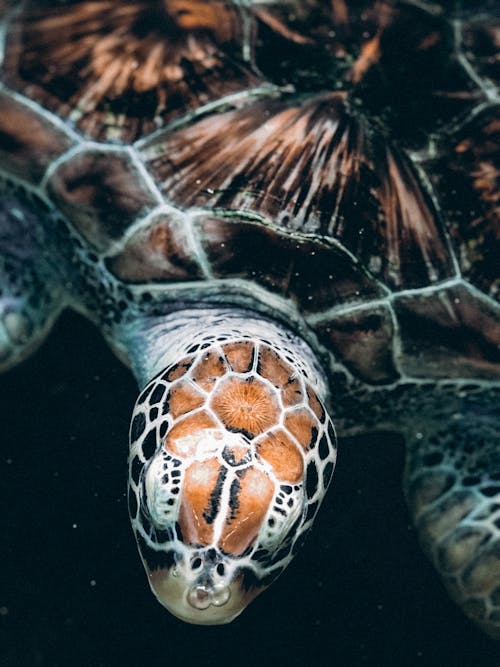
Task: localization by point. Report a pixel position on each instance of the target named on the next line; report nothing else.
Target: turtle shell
(332, 162)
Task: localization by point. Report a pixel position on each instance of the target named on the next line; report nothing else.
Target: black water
(73, 591)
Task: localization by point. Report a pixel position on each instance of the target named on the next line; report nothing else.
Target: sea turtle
(274, 211)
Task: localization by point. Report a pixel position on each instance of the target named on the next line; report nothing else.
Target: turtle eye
(161, 490)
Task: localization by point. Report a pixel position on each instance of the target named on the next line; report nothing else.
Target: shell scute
(158, 252)
(480, 37)
(179, 55)
(313, 274)
(311, 166)
(363, 340)
(453, 332)
(280, 451)
(467, 177)
(102, 193)
(29, 142)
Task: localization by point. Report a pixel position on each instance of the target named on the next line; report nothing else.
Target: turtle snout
(204, 593)
(202, 601)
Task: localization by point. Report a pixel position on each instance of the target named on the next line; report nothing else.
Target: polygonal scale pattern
(236, 421)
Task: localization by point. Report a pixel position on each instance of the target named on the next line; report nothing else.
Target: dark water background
(73, 591)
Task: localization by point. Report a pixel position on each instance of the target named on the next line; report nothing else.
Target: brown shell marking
(179, 369)
(275, 369)
(452, 333)
(173, 61)
(251, 492)
(183, 397)
(28, 141)
(102, 192)
(251, 495)
(301, 424)
(301, 165)
(218, 17)
(272, 367)
(159, 252)
(313, 273)
(315, 404)
(467, 178)
(200, 480)
(280, 451)
(363, 340)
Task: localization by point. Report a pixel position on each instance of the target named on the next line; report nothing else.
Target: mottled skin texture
(271, 211)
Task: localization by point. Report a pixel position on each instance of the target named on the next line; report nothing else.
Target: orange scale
(239, 355)
(236, 454)
(279, 450)
(179, 369)
(246, 405)
(315, 405)
(210, 367)
(201, 481)
(292, 393)
(182, 398)
(252, 493)
(178, 440)
(272, 367)
(303, 426)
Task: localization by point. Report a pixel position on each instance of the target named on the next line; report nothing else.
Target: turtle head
(231, 453)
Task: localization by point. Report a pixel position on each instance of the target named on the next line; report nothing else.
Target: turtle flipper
(452, 482)
(30, 298)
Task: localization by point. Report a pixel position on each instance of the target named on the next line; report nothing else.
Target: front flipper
(30, 296)
(452, 482)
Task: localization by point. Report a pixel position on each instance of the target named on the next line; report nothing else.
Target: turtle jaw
(201, 602)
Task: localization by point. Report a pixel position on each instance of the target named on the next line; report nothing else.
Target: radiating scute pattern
(313, 166)
(173, 61)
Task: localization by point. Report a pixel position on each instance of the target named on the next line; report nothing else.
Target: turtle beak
(201, 602)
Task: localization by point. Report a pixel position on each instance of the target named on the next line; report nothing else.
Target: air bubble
(199, 597)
